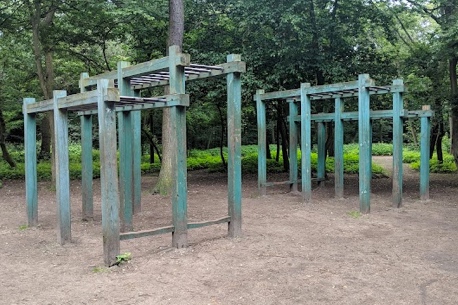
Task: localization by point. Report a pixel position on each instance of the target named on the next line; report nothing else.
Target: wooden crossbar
(171, 229)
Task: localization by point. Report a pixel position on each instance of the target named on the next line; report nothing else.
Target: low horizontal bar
(195, 225)
(374, 115)
(144, 233)
(267, 184)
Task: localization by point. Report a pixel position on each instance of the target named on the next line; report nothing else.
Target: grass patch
(354, 214)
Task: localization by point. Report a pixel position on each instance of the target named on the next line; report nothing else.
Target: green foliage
(354, 214)
(23, 227)
(123, 258)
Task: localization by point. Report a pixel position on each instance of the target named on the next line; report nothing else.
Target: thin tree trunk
(221, 139)
(454, 107)
(176, 30)
(5, 153)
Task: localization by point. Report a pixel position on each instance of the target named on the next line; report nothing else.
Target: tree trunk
(176, 30)
(5, 153)
(221, 140)
(454, 107)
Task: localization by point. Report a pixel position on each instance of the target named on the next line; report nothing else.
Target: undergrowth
(211, 160)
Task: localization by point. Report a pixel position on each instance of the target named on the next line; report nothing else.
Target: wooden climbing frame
(116, 96)
(301, 100)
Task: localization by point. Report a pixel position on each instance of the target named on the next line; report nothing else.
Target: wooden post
(86, 162)
(64, 233)
(321, 168)
(86, 167)
(306, 143)
(137, 159)
(397, 144)
(30, 139)
(338, 148)
(234, 143)
(293, 141)
(178, 119)
(125, 133)
(365, 158)
(424, 153)
(108, 175)
(262, 154)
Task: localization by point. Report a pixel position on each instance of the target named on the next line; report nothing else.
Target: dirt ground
(290, 253)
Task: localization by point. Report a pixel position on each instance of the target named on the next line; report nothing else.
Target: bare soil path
(291, 253)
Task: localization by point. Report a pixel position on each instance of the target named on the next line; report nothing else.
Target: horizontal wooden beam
(195, 225)
(171, 229)
(170, 101)
(80, 100)
(374, 114)
(144, 233)
(226, 68)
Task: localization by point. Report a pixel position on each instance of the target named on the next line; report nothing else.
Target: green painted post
(293, 141)
(137, 159)
(338, 148)
(108, 175)
(86, 161)
(234, 143)
(126, 137)
(64, 233)
(178, 119)
(397, 144)
(365, 158)
(125, 133)
(321, 168)
(424, 153)
(30, 139)
(262, 153)
(86, 167)
(306, 143)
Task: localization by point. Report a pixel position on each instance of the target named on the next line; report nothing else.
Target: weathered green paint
(137, 155)
(126, 138)
(108, 175)
(86, 167)
(424, 152)
(178, 119)
(234, 144)
(338, 149)
(306, 143)
(30, 143)
(262, 153)
(64, 233)
(321, 168)
(125, 132)
(374, 115)
(397, 145)
(293, 141)
(86, 161)
(365, 154)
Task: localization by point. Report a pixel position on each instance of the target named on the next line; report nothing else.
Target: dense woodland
(45, 45)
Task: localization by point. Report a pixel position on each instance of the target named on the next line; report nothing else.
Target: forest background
(46, 45)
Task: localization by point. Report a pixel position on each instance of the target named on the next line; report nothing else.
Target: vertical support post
(86, 167)
(64, 233)
(397, 142)
(178, 119)
(338, 149)
(137, 156)
(234, 143)
(262, 153)
(321, 168)
(125, 169)
(30, 139)
(424, 153)
(86, 161)
(306, 143)
(125, 132)
(293, 141)
(108, 175)
(365, 158)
